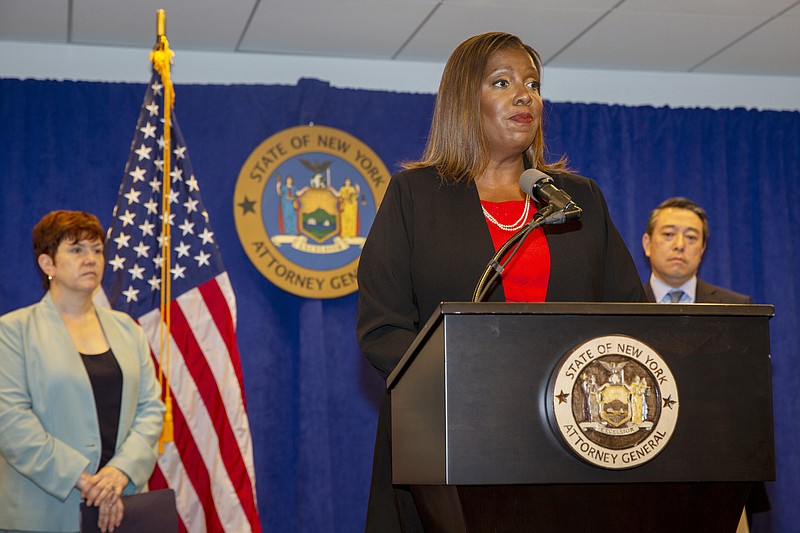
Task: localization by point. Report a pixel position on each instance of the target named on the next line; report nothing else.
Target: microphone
(558, 210)
(539, 185)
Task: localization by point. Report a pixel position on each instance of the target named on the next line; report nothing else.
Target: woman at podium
(445, 216)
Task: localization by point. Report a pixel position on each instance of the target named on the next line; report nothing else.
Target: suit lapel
(705, 293)
(648, 290)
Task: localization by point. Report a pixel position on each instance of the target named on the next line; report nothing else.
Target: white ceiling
(747, 37)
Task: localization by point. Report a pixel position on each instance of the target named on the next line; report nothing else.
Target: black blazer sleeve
(429, 243)
(388, 318)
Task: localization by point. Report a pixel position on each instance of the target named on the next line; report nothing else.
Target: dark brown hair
(457, 145)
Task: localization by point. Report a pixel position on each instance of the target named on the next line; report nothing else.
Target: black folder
(151, 512)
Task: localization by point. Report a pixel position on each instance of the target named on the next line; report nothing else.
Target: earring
(49, 278)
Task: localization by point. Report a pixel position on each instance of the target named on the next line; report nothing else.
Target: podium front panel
(470, 404)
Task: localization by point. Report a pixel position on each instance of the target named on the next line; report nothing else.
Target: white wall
(94, 63)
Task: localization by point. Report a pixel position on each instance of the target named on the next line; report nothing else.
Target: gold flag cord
(161, 57)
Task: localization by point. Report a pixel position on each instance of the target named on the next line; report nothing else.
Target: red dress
(525, 278)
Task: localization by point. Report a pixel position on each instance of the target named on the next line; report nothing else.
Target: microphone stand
(548, 215)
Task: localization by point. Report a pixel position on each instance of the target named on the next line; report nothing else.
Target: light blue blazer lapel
(66, 382)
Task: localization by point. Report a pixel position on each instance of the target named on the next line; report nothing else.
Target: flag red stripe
(217, 305)
(198, 367)
(221, 314)
(193, 465)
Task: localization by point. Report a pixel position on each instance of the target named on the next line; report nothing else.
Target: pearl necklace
(516, 225)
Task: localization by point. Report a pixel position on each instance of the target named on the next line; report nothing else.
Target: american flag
(210, 462)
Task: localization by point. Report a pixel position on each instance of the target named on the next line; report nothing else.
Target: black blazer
(429, 243)
(708, 294)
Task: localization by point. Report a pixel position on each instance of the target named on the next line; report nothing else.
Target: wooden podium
(475, 435)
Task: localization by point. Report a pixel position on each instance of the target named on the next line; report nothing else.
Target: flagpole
(209, 460)
(161, 57)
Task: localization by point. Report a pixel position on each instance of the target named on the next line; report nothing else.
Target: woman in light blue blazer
(80, 406)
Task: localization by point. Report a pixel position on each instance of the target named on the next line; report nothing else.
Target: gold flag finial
(161, 24)
(161, 56)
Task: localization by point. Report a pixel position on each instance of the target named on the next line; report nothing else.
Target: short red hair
(58, 226)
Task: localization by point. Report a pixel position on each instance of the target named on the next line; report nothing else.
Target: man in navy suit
(674, 241)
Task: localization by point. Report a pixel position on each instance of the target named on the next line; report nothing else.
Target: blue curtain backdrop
(311, 396)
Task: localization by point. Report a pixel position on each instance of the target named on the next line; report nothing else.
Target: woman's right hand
(110, 515)
(105, 485)
(104, 490)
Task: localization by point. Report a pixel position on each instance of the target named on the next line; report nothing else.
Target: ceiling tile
(365, 28)
(34, 20)
(547, 30)
(602, 5)
(653, 41)
(191, 24)
(770, 50)
(759, 8)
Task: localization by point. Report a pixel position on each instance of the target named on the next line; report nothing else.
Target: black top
(106, 378)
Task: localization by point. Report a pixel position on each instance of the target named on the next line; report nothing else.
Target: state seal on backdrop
(614, 402)
(303, 205)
